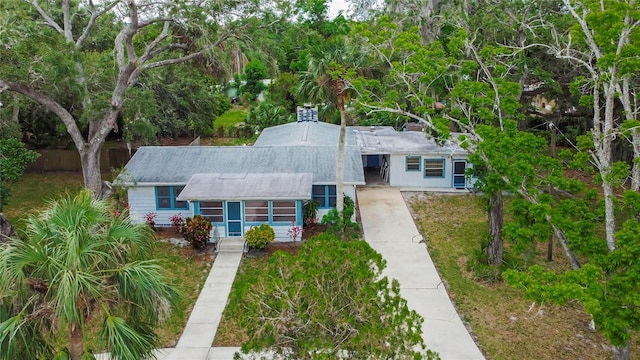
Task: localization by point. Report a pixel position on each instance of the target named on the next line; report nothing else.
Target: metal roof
(304, 134)
(248, 186)
(386, 140)
(177, 164)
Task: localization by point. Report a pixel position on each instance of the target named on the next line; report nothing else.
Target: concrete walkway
(390, 230)
(198, 334)
(195, 342)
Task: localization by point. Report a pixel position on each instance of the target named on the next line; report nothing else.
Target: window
(324, 195)
(283, 211)
(212, 210)
(434, 168)
(256, 211)
(166, 198)
(413, 163)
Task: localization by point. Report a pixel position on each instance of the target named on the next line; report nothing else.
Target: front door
(234, 218)
(459, 180)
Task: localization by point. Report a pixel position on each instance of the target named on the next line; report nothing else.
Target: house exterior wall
(142, 200)
(280, 228)
(399, 175)
(350, 191)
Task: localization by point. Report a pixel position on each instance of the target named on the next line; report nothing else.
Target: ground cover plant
(504, 323)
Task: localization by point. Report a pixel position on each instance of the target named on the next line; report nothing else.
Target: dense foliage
(518, 79)
(329, 301)
(81, 262)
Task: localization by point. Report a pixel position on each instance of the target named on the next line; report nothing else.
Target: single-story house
(238, 187)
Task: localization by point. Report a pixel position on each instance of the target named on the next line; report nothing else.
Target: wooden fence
(69, 160)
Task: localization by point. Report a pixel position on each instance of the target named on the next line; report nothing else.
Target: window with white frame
(256, 210)
(212, 210)
(283, 211)
(434, 168)
(413, 163)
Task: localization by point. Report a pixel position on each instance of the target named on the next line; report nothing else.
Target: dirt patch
(292, 247)
(314, 230)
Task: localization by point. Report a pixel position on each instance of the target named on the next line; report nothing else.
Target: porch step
(231, 245)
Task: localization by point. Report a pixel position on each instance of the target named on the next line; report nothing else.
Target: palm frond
(125, 341)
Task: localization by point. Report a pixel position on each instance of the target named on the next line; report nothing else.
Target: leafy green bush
(265, 115)
(310, 212)
(340, 224)
(260, 236)
(196, 231)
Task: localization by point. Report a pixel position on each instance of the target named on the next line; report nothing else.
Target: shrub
(259, 237)
(177, 221)
(310, 213)
(340, 224)
(196, 231)
(294, 231)
(150, 218)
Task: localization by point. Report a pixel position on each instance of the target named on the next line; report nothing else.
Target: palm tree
(325, 81)
(81, 265)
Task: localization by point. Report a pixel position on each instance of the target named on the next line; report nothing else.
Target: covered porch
(235, 202)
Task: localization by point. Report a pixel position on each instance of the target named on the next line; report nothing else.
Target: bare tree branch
(50, 104)
(92, 20)
(48, 19)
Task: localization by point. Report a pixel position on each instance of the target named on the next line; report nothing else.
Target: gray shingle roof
(304, 134)
(176, 164)
(247, 186)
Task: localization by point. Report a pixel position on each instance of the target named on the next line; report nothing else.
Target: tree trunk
(340, 160)
(496, 213)
(609, 212)
(90, 161)
(76, 342)
(562, 239)
(621, 352)
(631, 113)
(6, 230)
(635, 170)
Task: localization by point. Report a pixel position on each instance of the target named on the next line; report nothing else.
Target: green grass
(31, 193)
(230, 118)
(506, 325)
(186, 268)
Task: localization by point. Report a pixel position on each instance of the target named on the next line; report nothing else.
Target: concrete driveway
(390, 230)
